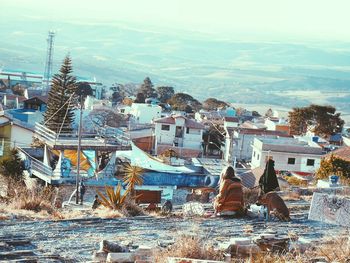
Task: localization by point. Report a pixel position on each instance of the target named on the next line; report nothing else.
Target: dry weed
(131, 208)
(291, 196)
(189, 247)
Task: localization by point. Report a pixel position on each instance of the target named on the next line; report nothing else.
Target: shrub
(36, 199)
(114, 199)
(12, 166)
(189, 247)
(295, 181)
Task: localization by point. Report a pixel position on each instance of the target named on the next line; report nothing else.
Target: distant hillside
(231, 70)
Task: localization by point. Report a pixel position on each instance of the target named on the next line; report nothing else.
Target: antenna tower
(48, 64)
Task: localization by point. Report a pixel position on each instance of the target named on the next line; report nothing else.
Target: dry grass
(291, 196)
(292, 180)
(334, 249)
(36, 199)
(189, 247)
(131, 208)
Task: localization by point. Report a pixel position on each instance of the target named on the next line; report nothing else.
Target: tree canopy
(333, 165)
(140, 98)
(165, 93)
(147, 89)
(184, 102)
(213, 104)
(59, 114)
(323, 119)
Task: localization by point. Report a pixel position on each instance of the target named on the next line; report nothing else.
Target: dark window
(310, 162)
(291, 160)
(187, 130)
(165, 127)
(179, 132)
(258, 157)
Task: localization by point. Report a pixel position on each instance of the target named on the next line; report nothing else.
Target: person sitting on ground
(229, 201)
(96, 203)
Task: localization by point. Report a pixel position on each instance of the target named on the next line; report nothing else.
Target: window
(310, 162)
(187, 130)
(254, 154)
(258, 157)
(291, 160)
(165, 127)
(179, 132)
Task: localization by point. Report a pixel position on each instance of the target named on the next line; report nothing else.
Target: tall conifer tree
(59, 114)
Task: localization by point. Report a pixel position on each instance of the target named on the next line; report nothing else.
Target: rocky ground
(74, 240)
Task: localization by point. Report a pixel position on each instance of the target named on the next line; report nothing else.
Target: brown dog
(275, 205)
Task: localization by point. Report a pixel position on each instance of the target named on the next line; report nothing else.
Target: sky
(325, 19)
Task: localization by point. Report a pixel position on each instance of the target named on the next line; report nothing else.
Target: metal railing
(36, 166)
(104, 135)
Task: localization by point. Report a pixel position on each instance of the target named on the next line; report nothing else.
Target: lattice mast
(48, 64)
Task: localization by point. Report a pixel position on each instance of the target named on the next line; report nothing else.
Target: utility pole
(83, 90)
(79, 149)
(48, 64)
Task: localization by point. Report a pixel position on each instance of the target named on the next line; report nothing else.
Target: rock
(120, 257)
(99, 256)
(330, 209)
(193, 209)
(109, 246)
(249, 249)
(240, 241)
(144, 254)
(165, 243)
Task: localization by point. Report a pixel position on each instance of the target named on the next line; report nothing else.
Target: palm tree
(114, 199)
(133, 177)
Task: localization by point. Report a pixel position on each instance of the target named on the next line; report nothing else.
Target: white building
(238, 142)
(289, 154)
(180, 134)
(145, 113)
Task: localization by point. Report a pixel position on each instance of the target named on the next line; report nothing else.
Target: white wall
(281, 160)
(270, 125)
(145, 113)
(191, 140)
(20, 136)
(242, 148)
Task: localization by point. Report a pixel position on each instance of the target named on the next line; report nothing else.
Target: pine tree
(147, 89)
(59, 112)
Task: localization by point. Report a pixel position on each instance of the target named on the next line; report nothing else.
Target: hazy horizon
(270, 19)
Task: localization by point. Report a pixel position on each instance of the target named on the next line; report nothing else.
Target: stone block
(144, 254)
(99, 256)
(240, 241)
(120, 258)
(250, 249)
(109, 246)
(330, 209)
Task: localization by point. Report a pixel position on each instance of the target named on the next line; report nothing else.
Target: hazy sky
(327, 19)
